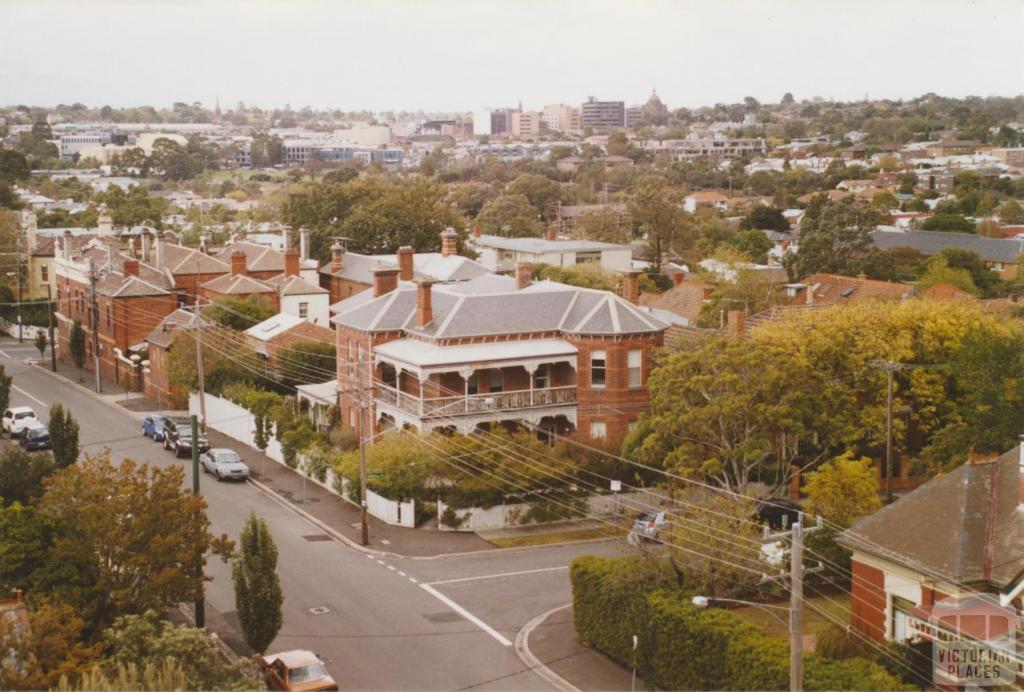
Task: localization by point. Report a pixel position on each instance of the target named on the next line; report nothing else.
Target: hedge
(683, 647)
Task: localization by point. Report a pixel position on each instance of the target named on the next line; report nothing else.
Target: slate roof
(834, 288)
(538, 246)
(179, 259)
(240, 284)
(540, 307)
(163, 334)
(294, 286)
(948, 525)
(933, 242)
(258, 258)
(358, 268)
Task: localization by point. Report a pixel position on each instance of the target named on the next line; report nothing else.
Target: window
(108, 316)
(495, 381)
(44, 273)
(597, 369)
(473, 384)
(303, 310)
(632, 425)
(598, 430)
(635, 367)
(542, 377)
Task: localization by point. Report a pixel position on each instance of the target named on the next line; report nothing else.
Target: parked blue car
(153, 426)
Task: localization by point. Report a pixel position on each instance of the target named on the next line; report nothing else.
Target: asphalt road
(378, 623)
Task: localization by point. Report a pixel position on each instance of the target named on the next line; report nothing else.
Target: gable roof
(685, 299)
(834, 288)
(294, 286)
(239, 284)
(180, 259)
(953, 525)
(258, 258)
(163, 334)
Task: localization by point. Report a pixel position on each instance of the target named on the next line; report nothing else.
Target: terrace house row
(495, 351)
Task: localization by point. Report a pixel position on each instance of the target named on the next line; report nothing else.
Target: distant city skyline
(461, 55)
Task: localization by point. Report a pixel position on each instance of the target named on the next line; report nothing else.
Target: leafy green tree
(605, 225)
(542, 192)
(765, 219)
(267, 150)
(63, 436)
(470, 198)
(835, 236)
(753, 243)
(22, 474)
(842, 490)
(660, 218)
(258, 597)
(959, 258)
(939, 272)
(229, 363)
(137, 531)
(948, 222)
(148, 640)
(1010, 212)
(239, 313)
(54, 647)
(583, 275)
(307, 361)
(510, 215)
(5, 389)
(77, 347)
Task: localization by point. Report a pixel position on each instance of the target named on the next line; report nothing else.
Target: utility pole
(890, 367)
(95, 321)
(200, 605)
(364, 530)
(49, 317)
(17, 259)
(796, 576)
(200, 374)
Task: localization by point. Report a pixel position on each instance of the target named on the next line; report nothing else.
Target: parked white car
(16, 419)
(224, 464)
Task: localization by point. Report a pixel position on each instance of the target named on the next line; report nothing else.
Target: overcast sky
(454, 55)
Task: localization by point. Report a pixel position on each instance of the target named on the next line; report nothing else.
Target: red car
(297, 671)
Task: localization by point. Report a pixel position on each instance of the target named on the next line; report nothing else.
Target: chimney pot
(405, 263)
(631, 286)
(286, 238)
(449, 242)
(424, 302)
(237, 263)
(678, 278)
(476, 231)
(524, 274)
(304, 243)
(337, 257)
(291, 262)
(385, 280)
(550, 233)
(131, 267)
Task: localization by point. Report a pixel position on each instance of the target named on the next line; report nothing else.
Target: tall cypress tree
(5, 389)
(63, 436)
(258, 597)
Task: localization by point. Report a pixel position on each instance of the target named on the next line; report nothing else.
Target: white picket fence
(504, 516)
(239, 424)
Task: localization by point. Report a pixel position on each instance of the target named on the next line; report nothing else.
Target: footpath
(548, 644)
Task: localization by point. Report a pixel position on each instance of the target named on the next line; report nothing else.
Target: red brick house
(961, 532)
(131, 299)
(496, 350)
(272, 335)
(157, 383)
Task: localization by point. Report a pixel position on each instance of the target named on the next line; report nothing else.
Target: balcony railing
(443, 407)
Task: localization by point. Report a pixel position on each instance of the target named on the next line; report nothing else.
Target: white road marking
(380, 562)
(413, 580)
(369, 557)
(19, 389)
(5, 354)
(502, 574)
(466, 614)
(401, 574)
(391, 567)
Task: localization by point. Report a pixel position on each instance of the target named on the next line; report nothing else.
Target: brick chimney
(449, 242)
(476, 231)
(550, 233)
(145, 246)
(237, 263)
(385, 280)
(337, 257)
(66, 246)
(424, 302)
(304, 243)
(131, 267)
(524, 274)
(736, 321)
(631, 286)
(405, 264)
(678, 278)
(291, 262)
(286, 238)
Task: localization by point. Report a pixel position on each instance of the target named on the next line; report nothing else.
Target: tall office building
(562, 117)
(603, 113)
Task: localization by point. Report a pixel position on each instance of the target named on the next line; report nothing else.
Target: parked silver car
(224, 464)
